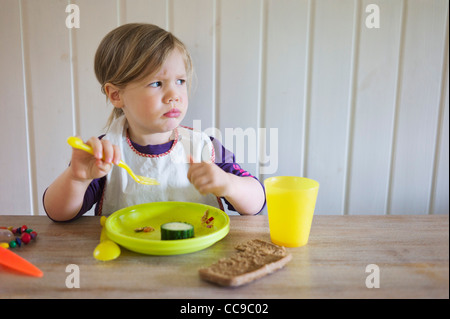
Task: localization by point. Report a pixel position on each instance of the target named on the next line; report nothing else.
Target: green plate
(120, 227)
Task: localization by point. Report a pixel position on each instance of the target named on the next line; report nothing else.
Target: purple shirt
(224, 159)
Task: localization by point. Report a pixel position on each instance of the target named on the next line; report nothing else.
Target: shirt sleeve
(226, 160)
(92, 195)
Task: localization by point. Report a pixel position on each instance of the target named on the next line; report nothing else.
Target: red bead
(26, 238)
(23, 229)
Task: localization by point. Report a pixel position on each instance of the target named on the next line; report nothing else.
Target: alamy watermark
(373, 279)
(372, 19)
(73, 18)
(251, 145)
(73, 279)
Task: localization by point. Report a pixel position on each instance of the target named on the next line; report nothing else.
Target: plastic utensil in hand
(14, 261)
(76, 142)
(107, 249)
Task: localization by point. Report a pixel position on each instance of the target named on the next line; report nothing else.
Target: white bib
(170, 169)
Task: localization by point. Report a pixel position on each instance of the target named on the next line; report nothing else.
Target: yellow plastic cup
(290, 205)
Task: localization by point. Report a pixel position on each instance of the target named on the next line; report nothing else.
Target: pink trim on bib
(150, 155)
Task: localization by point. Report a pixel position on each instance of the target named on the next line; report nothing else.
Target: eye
(155, 84)
(181, 81)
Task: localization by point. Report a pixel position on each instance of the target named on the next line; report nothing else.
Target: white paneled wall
(362, 110)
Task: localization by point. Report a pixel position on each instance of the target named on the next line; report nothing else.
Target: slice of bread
(255, 259)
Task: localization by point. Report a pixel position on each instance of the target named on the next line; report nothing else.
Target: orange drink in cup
(290, 205)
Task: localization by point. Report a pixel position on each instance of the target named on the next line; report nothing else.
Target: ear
(113, 94)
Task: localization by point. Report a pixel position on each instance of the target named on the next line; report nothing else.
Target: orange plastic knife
(14, 261)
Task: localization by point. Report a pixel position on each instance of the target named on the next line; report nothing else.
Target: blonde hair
(133, 51)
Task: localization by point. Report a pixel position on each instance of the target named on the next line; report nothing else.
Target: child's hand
(208, 178)
(85, 166)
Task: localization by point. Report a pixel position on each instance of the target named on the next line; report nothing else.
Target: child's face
(158, 103)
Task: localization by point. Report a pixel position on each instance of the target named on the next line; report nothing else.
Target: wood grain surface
(412, 254)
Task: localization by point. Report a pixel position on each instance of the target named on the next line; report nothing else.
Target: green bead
(12, 244)
(29, 230)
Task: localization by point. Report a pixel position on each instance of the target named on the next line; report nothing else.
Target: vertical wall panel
(330, 86)
(239, 74)
(92, 108)
(15, 176)
(284, 94)
(376, 82)
(193, 23)
(440, 203)
(418, 107)
(148, 11)
(47, 61)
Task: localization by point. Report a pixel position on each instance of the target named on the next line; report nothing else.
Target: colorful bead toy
(23, 233)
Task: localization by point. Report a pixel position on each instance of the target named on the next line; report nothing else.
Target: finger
(202, 182)
(192, 167)
(97, 147)
(117, 154)
(103, 166)
(200, 185)
(196, 170)
(108, 151)
(205, 186)
(189, 173)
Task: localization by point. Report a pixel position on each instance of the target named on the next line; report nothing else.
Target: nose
(171, 97)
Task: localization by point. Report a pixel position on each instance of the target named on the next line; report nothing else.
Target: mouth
(173, 113)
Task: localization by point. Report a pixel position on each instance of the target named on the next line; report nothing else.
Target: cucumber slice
(176, 230)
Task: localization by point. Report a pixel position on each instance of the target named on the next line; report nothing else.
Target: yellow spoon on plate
(76, 142)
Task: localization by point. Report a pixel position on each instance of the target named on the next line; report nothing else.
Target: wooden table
(411, 253)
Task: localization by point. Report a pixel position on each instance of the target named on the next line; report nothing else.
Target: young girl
(145, 72)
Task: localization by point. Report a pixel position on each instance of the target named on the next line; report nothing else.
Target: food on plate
(255, 259)
(176, 230)
(145, 229)
(206, 220)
